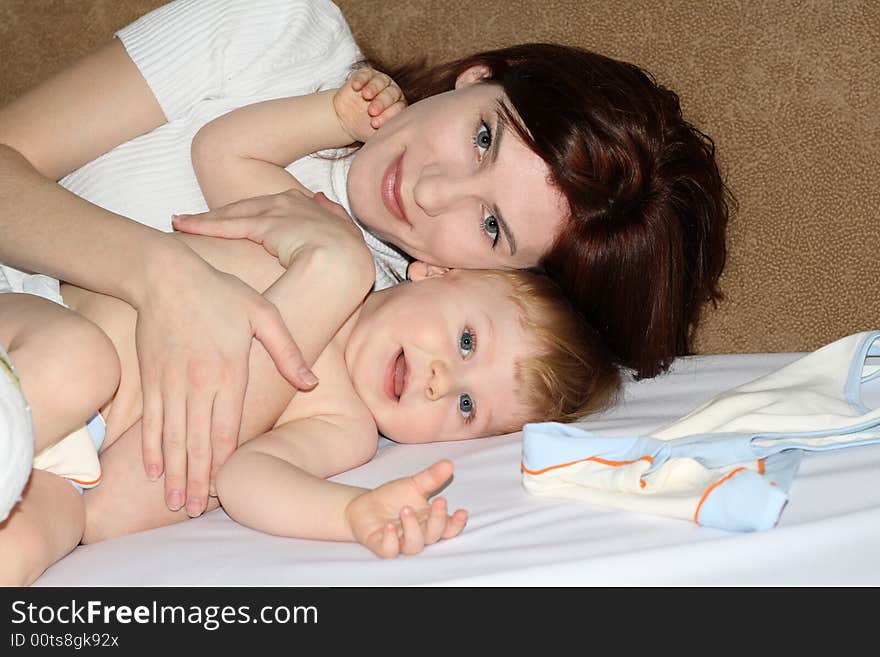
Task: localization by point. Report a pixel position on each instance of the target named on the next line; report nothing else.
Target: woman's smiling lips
(395, 376)
(391, 190)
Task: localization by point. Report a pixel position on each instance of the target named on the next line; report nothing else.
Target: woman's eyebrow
(500, 129)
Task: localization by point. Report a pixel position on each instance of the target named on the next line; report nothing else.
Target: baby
(449, 355)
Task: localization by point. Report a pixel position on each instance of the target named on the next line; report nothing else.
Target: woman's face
(444, 182)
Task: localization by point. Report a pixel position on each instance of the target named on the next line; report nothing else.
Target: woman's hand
(194, 331)
(396, 517)
(366, 102)
(283, 223)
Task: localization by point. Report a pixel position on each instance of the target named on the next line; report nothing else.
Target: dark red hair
(644, 245)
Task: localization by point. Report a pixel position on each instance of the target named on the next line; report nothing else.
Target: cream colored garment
(73, 457)
(729, 463)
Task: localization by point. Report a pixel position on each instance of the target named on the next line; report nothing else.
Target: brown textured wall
(789, 90)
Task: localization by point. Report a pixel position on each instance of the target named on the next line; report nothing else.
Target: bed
(828, 534)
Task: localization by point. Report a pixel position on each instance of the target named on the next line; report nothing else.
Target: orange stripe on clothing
(87, 483)
(710, 489)
(596, 459)
(761, 466)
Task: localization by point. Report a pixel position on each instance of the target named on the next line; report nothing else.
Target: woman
(593, 176)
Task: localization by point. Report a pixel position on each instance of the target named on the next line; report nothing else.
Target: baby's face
(433, 359)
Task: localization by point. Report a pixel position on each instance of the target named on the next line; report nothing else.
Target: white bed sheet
(829, 533)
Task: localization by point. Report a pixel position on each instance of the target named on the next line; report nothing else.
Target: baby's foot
(16, 437)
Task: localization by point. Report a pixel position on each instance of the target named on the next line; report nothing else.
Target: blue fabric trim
(746, 502)
(548, 444)
(782, 468)
(97, 430)
(852, 390)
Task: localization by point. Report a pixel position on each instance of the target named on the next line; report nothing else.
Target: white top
(203, 58)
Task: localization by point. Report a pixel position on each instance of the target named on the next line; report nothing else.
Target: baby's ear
(418, 270)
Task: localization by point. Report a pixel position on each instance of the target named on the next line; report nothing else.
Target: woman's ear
(472, 75)
(418, 270)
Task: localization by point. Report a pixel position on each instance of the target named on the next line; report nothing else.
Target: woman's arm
(187, 343)
(70, 119)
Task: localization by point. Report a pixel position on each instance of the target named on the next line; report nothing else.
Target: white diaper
(15, 280)
(16, 437)
(74, 457)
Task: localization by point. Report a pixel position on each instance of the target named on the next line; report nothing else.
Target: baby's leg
(67, 366)
(46, 525)
(126, 501)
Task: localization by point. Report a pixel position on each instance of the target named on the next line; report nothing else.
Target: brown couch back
(789, 90)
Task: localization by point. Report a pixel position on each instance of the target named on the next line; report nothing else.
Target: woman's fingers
(269, 328)
(198, 449)
(174, 444)
(151, 423)
(226, 421)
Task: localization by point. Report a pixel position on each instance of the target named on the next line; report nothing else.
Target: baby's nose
(439, 380)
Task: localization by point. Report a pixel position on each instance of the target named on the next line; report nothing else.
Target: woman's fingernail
(194, 507)
(175, 500)
(308, 377)
(153, 472)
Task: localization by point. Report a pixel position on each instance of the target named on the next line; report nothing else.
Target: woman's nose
(439, 380)
(436, 192)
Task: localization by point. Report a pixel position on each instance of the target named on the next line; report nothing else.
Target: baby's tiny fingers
(360, 77)
(390, 546)
(378, 121)
(436, 521)
(456, 524)
(377, 84)
(413, 540)
(386, 98)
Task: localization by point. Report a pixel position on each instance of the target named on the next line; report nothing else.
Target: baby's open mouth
(399, 375)
(395, 376)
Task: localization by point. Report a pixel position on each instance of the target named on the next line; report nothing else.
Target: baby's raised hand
(366, 102)
(396, 517)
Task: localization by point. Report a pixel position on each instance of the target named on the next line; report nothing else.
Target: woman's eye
(483, 139)
(490, 227)
(465, 405)
(467, 343)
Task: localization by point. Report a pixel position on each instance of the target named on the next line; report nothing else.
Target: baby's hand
(366, 102)
(396, 518)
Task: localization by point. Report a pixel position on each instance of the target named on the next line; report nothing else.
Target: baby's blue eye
(466, 343)
(490, 227)
(465, 405)
(483, 139)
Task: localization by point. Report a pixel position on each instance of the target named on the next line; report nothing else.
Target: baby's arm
(276, 484)
(243, 153)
